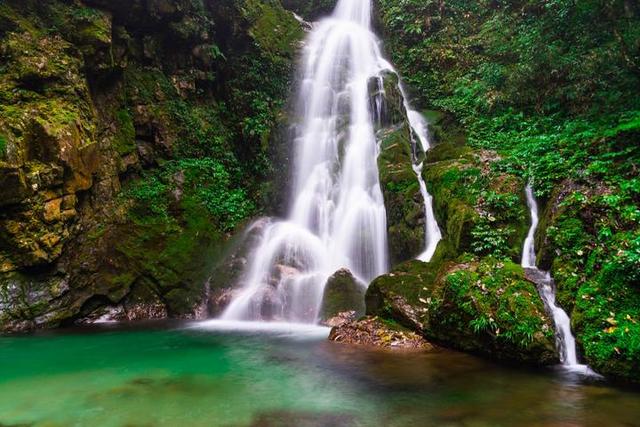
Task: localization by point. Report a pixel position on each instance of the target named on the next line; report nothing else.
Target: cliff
(135, 136)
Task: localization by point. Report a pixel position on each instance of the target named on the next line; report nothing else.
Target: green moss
(342, 293)
(3, 147)
(274, 29)
(595, 269)
(503, 310)
(125, 138)
(483, 306)
(401, 191)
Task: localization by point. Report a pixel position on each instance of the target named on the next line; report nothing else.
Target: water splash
(565, 341)
(337, 218)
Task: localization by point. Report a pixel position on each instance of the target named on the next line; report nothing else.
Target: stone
(482, 306)
(374, 332)
(52, 211)
(342, 293)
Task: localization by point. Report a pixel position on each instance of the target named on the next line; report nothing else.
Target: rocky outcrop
(134, 136)
(402, 198)
(595, 262)
(481, 209)
(482, 306)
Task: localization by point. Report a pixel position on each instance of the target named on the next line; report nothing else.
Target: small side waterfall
(337, 218)
(419, 130)
(565, 340)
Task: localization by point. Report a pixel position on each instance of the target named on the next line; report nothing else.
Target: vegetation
(551, 87)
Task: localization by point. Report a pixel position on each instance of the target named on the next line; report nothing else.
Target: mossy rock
(480, 209)
(482, 306)
(594, 275)
(402, 197)
(488, 307)
(342, 293)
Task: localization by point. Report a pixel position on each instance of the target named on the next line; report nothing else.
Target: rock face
(400, 187)
(481, 210)
(471, 296)
(343, 293)
(481, 306)
(134, 136)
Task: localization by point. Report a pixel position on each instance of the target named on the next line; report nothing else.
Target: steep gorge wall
(134, 136)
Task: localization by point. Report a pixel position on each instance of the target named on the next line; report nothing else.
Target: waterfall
(565, 341)
(419, 127)
(337, 218)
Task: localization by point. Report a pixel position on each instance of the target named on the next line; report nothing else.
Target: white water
(337, 218)
(281, 329)
(529, 251)
(565, 340)
(433, 235)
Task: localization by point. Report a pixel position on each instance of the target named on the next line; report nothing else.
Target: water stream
(337, 218)
(419, 129)
(565, 340)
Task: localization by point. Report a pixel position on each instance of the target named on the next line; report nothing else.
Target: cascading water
(419, 129)
(565, 340)
(337, 218)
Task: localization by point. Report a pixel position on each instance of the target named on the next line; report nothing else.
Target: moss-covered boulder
(342, 293)
(481, 209)
(482, 306)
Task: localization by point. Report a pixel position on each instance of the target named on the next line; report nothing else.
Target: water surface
(168, 375)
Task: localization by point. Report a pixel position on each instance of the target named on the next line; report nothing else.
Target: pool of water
(215, 375)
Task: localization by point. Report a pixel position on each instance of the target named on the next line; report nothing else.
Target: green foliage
(205, 182)
(552, 88)
(524, 79)
(488, 239)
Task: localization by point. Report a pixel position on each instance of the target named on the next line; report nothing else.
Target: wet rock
(480, 209)
(373, 332)
(340, 319)
(402, 197)
(342, 293)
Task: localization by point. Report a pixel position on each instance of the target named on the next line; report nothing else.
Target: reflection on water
(203, 377)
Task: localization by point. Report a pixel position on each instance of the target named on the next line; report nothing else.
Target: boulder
(482, 306)
(342, 293)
